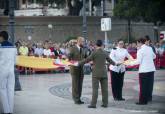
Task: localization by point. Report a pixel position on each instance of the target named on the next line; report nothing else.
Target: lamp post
(50, 27)
(90, 7)
(84, 32)
(102, 7)
(11, 20)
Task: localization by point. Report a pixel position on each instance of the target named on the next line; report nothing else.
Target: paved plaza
(51, 94)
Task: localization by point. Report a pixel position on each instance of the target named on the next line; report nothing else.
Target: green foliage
(127, 9)
(154, 12)
(146, 10)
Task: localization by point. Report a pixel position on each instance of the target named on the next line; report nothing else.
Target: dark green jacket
(76, 55)
(99, 58)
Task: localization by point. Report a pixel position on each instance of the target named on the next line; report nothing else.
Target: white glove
(76, 64)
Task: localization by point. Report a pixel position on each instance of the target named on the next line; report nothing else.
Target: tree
(127, 9)
(146, 10)
(154, 12)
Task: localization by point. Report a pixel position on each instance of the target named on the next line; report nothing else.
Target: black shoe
(90, 106)
(141, 103)
(104, 106)
(79, 102)
(17, 90)
(121, 99)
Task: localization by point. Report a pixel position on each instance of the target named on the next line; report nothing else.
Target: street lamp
(155, 33)
(50, 26)
(11, 20)
(84, 20)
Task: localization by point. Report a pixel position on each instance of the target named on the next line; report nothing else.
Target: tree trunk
(26, 2)
(156, 33)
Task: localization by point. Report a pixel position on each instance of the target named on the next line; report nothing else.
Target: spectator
(126, 45)
(57, 51)
(132, 48)
(47, 52)
(63, 49)
(162, 44)
(148, 42)
(161, 49)
(23, 50)
(157, 46)
(51, 46)
(31, 50)
(39, 51)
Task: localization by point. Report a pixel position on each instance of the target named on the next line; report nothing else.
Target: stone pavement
(51, 94)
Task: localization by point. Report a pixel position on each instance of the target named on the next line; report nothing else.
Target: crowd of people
(50, 49)
(77, 50)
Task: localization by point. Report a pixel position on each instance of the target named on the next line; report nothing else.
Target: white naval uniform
(118, 55)
(7, 79)
(145, 57)
(117, 72)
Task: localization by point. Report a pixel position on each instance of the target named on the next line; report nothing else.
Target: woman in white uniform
(118, 55)
(145, 59)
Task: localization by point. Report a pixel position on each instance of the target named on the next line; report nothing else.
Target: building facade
(37, 8)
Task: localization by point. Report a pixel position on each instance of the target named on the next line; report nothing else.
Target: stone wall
(64, 27)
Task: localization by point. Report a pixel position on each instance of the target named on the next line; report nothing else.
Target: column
(20, 4)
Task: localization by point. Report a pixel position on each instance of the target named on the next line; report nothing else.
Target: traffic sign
(106, 24)
(162, 35)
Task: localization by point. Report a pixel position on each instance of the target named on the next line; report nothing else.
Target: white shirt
(7, 60)
(47, 52)
(78, 47)
(118, 55)
(39, 51)
(145, 59)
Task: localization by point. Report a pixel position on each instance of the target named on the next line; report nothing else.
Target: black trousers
(17, 82)
(146, 82)
(117, 84)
